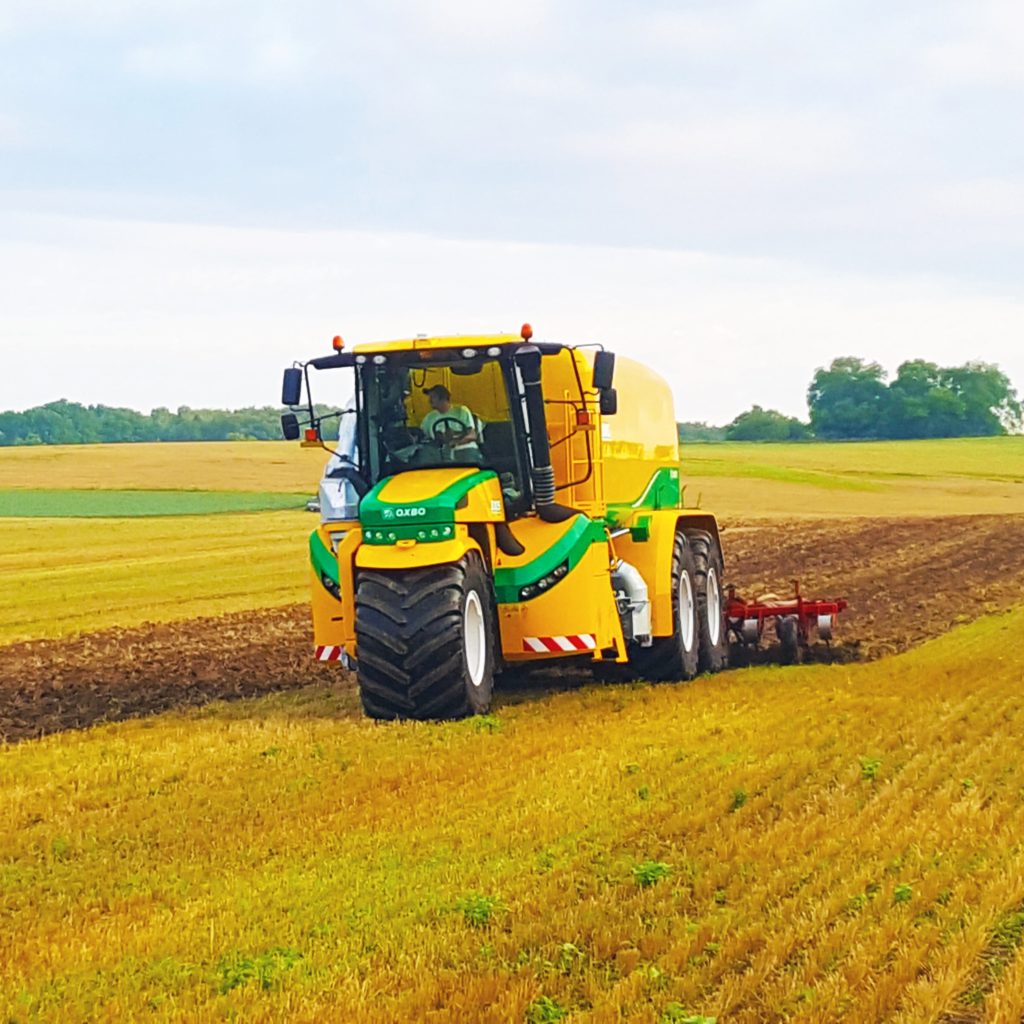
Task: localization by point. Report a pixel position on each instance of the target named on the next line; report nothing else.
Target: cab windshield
(430, 409)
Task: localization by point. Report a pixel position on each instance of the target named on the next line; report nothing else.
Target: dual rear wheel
(699, 641)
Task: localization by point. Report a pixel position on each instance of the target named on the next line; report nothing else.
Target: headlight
(546, 582)
(330, 586)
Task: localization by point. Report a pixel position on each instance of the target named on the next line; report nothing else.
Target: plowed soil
(906, 580)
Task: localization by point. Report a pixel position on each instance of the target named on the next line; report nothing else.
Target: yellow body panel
(653, 558)
(481, 341)
(484, 504)
(642, 437)
(423, 484)
(536, 536)
(626, 449)
(581, 603)
(333, 620)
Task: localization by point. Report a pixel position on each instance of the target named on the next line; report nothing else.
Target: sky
(193, 195)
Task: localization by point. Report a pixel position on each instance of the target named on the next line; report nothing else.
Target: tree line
(855, 400)
(64, 422)
(850, 400)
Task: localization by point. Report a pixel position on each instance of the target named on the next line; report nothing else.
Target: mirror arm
(309, 398)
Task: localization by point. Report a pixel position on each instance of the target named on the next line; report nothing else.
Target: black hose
(542, 474)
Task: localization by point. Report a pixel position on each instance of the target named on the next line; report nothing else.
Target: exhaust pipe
(542, 474)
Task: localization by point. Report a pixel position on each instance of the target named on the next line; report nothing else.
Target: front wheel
(425, 641)
(674, 658)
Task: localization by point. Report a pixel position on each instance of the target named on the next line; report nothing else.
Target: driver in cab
(451, 426)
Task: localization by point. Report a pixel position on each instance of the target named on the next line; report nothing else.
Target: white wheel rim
(687, 625)
(714, 608)
(474, 638)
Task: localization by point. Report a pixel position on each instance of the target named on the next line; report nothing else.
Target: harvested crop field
(836, 842)
(906, 580)
(822, 844)
(67, 576)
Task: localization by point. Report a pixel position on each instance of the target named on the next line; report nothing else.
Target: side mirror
(291, 388)
(290, 426)
(528, 360)
(609, 402)
(604, 369)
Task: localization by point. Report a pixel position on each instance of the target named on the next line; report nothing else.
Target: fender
(410, 554)
(333, 606)
(697, 519)
(648, 546)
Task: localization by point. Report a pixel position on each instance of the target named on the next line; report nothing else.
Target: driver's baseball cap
(438, 389)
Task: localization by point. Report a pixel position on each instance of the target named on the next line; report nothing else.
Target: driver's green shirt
(455, 412)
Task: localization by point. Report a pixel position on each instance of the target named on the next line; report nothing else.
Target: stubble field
(836, 841)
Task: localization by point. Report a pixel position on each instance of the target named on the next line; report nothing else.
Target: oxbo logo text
(403, 513)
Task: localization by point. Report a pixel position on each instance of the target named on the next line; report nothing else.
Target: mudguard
(648, 546)
(411, 554)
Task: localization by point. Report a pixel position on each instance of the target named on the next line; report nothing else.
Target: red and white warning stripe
(559, 644)
(329, 653)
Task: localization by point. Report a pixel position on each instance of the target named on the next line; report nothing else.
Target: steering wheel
(439, 424)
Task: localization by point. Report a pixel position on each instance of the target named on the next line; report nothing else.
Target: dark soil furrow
(906, 580)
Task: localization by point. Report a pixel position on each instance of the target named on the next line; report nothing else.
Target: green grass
(751, 470)
(972, 458)
(963, 476)
(94, 504)
(64, 576)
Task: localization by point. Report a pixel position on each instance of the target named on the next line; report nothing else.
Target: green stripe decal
(662, 491)
(322, 557)
(439, 508)
(570, 547)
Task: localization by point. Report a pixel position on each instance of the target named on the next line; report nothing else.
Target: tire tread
(410, 643)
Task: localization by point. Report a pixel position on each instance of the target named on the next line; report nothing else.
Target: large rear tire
(675, 658)
(425, 641)
(713, 645)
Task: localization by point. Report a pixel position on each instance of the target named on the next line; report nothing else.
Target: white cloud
(312, 41)
(154, 314)
(13, 133)
(261, 48)
(985, 50)
(998, 201)
(731, 144)
(102, 15)
(472, 23)
(843, 136)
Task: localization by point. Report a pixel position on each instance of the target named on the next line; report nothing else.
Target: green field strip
(999, 459)
(66, 576)
(832, 481)
(31, 544)
(91, 504)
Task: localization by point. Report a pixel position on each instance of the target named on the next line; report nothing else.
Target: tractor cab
(444, 408)
(455, 403)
